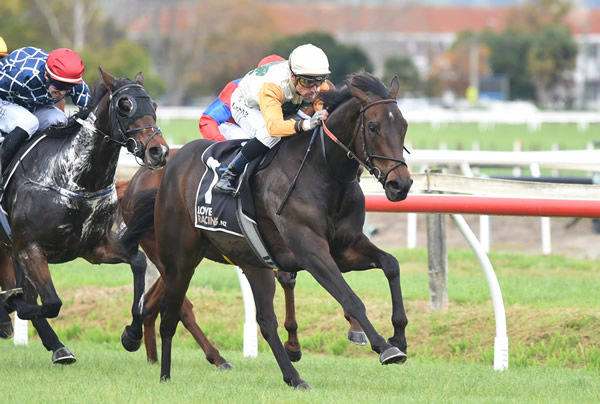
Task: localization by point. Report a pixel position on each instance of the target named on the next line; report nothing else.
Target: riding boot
(12, 142)
(251, 150)
(228, 182)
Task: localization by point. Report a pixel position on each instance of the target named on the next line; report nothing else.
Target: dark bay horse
(146, 179)
(319, 229)
(62, 200)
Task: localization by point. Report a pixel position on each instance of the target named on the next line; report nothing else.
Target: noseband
(120, 119)
(368, 156)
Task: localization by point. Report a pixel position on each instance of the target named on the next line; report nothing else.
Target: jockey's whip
(293, 184)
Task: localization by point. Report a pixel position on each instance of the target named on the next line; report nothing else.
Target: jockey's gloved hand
(315, 120)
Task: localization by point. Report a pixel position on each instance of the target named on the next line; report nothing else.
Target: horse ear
(358, 93)
(395, 87)
(139, 77)
(108, 80)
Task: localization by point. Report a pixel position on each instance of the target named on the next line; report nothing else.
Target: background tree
(123, 59)
(82, 26)
(534, 14)
(405, 69)
(343, 59)
(198, 48)
(539, 73)
(508, 51)
(550, 60)
(452, 70)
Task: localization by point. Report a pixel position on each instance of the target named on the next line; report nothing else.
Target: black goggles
(61, 86)
(311, 81)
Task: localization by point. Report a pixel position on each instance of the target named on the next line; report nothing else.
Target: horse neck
(335, 159)
(88, 161)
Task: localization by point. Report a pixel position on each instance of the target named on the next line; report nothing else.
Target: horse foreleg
(60, 354)
(263, 289)
(363, 255)
(287, 280)
(6, 328)
(391, 269)
(31, 268)
(131, 338)
(7, 282)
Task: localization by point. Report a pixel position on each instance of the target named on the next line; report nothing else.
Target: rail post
(437, 259)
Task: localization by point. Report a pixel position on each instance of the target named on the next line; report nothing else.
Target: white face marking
(391, 116)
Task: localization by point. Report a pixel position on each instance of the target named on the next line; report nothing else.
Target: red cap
(65, 65)
(270, 59)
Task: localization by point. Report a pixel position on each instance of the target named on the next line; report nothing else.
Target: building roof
(288, 19)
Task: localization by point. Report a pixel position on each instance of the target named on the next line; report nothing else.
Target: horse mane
(362, 80)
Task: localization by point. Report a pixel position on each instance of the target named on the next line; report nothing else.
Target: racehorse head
(132, 117)
(376, 141)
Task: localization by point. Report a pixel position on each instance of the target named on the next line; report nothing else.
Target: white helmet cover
(308, 60)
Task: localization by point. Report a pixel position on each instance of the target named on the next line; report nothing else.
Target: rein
(369, 157)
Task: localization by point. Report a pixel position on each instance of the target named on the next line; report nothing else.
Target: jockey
(216, 123)
(31, 82)
(268, 94)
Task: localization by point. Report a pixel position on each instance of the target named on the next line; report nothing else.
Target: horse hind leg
(263, 290)
(153, 298)
(356, 334)
(152, 305)
(188, 319)
(287, 280)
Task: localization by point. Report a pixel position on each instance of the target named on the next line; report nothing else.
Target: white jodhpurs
(13, 115)
(251, 121)
(231, 131)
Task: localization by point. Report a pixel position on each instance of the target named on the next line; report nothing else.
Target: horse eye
(124, 106)
(372, 128)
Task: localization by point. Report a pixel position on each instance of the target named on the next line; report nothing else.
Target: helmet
(308, 60)
(65, 65)
(3, 48)
(270, 59)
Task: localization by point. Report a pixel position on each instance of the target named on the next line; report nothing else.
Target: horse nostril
(155, 152)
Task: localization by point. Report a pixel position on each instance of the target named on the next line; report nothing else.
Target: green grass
(459, 136)
(462, 136)
(551, 308)
(106, 373)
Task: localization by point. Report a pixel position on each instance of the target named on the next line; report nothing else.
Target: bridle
(369, 157)
(120, 119)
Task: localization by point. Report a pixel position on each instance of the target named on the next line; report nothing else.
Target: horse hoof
(392, 355)
(129, 343)
(303, 386)
(6, 330)
(294, 356)
(225, 366)
(357, 337)
(62, 356)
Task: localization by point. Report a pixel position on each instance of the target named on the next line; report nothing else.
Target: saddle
(217, 211)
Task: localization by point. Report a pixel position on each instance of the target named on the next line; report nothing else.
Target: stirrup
(7, 294)
(227, 189)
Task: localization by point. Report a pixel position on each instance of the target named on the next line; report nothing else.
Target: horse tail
(141, 220)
